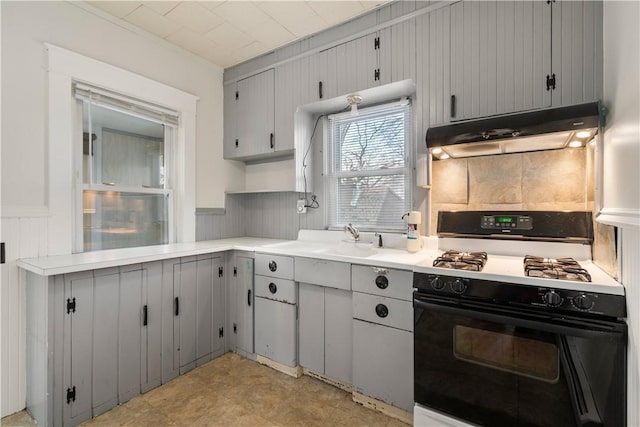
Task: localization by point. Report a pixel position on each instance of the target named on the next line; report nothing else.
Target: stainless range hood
(549, 129)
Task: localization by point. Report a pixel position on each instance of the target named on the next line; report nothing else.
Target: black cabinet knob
(382, 282)
(273, 266)
(382, 310)
(273, 288)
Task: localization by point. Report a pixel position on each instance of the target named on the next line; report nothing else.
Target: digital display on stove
(505, 219)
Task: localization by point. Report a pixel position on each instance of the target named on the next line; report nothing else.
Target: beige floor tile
(234, 391)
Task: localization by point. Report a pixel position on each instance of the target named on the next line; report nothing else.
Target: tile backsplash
(544, 180)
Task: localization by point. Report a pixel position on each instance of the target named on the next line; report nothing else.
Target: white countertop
(329, 249)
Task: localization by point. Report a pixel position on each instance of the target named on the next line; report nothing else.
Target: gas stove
(484, 262)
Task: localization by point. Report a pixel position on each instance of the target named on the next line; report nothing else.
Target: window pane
(371, 201)
(370, 174)
(114, 219)
(126, 150)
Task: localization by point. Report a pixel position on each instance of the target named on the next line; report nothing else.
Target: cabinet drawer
(383, 311)
(382, 281)
(276, 289)
(321, 272)
(274, 266)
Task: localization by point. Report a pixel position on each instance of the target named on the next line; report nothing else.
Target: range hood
(548, 129)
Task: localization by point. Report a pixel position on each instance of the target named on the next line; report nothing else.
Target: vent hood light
(549, 129)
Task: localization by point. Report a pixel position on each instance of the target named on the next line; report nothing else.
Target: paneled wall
(270, 215)
(25, 235)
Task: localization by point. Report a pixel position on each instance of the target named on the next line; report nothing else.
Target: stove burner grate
(457, 260)
(560, 268)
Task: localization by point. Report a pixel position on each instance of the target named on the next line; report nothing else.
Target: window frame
(334, 219)
(66, 67)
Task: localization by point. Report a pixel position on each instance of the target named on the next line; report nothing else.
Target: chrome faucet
(354, 231)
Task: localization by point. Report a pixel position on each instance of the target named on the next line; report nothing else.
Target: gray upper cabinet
(433, 83)
(522, 55)
(402, 54)
(577, 51)
(293, 88)
(249, 132)
(500, 57)
(362, 63)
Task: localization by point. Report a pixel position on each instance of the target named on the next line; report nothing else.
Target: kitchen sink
(350, 248)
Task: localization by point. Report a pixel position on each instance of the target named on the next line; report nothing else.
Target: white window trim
(65, 67)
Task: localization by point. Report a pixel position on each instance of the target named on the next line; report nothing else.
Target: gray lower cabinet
(383, 334)
(242, 304)
(276, 320)
(198, 310)
(383, 363)
(325, 328)
(95, 339)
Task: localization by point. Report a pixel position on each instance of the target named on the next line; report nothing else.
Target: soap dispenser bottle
(413, 220)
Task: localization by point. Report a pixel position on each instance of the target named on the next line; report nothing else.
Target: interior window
(125, 193)
(369, 172)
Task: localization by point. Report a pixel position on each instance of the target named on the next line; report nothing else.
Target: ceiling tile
(335, 12)
(229, 36)
(161, 7)
(271, 34)
(151, 21)
(249, 51)
(195, 17)
(191, 41)
(371, 4)
(242, 14)
(116, 8)
(211, 4)
(286, 11)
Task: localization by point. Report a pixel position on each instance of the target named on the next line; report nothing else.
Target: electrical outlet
(301, 207)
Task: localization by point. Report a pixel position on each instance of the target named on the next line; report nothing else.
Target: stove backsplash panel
(544, 180)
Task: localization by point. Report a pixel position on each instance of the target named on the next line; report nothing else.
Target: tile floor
(234, 391)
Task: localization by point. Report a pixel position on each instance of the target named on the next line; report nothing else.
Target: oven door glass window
(500, 370)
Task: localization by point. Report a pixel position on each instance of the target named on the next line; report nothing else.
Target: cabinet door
(276, 331)
(185, 321)
(293, 89)
(383, 363)
(230, 149)
(151, 359)
(170, 320)
(244, 304)
(577, 51)
(433, 59)
(356, 64)
(255, 114)
(204, 309)
(338, 351)
(323, 70)
(129, 333)
(500, 56)
(78, 341)
(400, 57)
(311, 327)
(105, 342)
(217, 314)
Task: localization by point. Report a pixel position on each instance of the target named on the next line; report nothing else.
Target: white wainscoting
(630, 275)
(25, 235)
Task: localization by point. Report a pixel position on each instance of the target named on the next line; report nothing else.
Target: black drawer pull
(176, 306)
(145, 311)
(382, 282)
(320, 90)
(249, 297)
(382, 310)
(273, 266)
(273, 288)
(453, 105)
(271, 143)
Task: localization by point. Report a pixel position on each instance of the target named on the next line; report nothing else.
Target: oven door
(510, 367)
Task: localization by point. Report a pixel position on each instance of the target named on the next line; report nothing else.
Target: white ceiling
(229, 32)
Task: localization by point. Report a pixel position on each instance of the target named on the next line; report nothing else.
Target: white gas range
(511, 316)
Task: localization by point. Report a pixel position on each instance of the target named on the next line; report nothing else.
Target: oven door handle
(611, 331)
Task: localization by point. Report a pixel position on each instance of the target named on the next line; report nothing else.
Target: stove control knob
(582, 302)
(552, 299)
(458, 286)
(436, 283)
